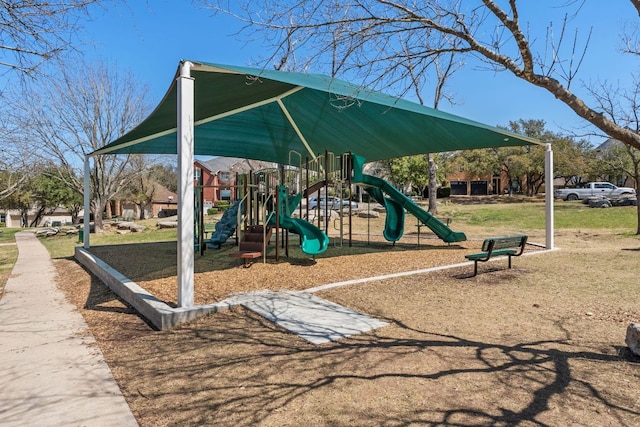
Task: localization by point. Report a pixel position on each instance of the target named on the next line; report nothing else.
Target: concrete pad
(53, 373)
(312, 318)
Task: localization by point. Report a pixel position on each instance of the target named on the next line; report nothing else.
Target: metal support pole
(185, 141)
(87, 204)
(548, 198)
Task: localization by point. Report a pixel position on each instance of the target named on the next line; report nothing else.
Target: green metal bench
(497, 246)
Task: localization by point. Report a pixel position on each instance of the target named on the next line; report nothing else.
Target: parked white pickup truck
(591, 189)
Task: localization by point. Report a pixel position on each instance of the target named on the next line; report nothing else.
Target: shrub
(212, 211)
(222, 205)
(444, 192)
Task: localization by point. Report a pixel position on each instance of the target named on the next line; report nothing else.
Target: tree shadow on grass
(239, 369)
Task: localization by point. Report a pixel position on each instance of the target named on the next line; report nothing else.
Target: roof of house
(609, 144)
(162, 194)
(235, 164)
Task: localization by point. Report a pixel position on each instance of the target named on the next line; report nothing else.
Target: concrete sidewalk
(51, 371)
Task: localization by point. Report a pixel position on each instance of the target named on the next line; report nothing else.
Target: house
(464, 183)
(218, 176)
(13, 218)
(163, 203)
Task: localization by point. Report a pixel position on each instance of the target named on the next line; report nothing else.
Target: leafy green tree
(480, 162)
(411, 171)
(43, 193)
(527, 162)
(50, 192)
(572, 160)
(616, 163)
(414, 171)
(21, 199)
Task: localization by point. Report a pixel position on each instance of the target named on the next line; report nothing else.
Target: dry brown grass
(541, 344)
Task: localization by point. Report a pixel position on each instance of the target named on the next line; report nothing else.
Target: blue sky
(150, 38)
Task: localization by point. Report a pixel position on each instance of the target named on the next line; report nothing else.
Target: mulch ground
(217, 276)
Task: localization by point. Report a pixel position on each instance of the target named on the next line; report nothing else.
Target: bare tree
(143, 188)
(70, 117)
(33, 32)
(16, 159)
(622, 106)
(365, 34)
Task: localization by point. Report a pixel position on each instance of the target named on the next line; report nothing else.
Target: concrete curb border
(158, 313)
(163, 317)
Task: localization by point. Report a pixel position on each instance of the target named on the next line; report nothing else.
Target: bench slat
(493, 253)
(503, 242)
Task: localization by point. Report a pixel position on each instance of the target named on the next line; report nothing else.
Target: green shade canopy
(264, 114)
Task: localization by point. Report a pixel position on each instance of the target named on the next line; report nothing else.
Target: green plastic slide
(314, 240)
(394, 221)
(395, 203)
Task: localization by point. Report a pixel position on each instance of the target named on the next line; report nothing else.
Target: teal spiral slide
(396, 203)
(314, 240)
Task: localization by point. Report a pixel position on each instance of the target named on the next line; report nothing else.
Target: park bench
(497, 246)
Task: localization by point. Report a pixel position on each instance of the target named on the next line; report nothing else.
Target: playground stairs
(252, 244)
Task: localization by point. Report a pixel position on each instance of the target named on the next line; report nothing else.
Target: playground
(293, 253)
(538, 344)
(217, 275)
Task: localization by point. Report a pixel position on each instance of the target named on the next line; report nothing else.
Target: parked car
(605, 189)
(333, 203)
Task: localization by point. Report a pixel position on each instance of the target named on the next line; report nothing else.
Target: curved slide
(314, 240)
(395, 202)
(394, 221)
(225, 227)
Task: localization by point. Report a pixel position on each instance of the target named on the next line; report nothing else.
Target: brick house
(465, 184)
(218, 176)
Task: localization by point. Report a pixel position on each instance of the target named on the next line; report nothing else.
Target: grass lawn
(540, 344)
(8, 254)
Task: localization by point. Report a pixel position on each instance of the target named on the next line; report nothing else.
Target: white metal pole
(185, 141)
(548, 196)
(87, 204)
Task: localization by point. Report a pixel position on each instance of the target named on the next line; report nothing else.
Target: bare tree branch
(370, 40)
(34, 32)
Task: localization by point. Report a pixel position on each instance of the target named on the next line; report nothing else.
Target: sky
(151, 37)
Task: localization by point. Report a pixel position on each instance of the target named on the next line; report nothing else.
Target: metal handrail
(266, 218)
(240, 217)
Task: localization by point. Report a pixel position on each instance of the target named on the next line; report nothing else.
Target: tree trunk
(433, 185)
(142, 207)
(37, 217)
(75, 210)
(98, 207)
